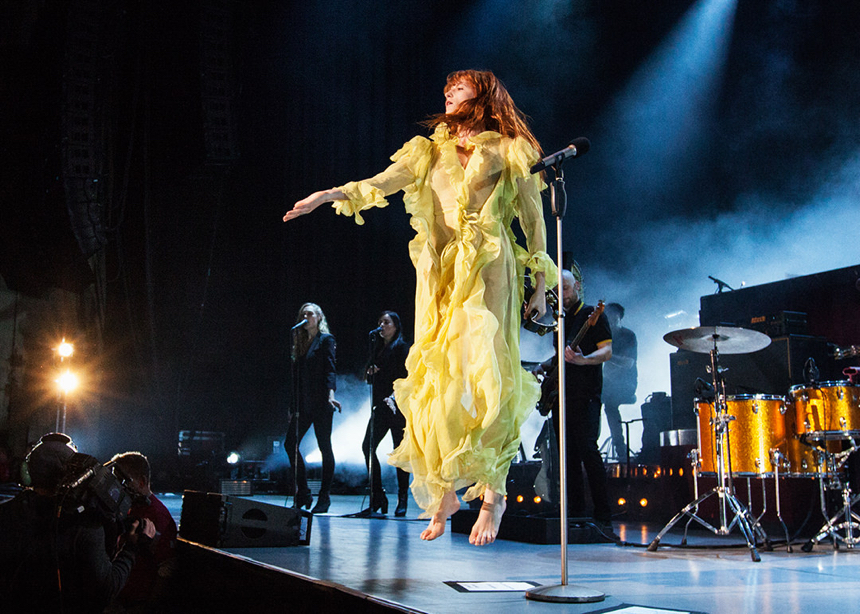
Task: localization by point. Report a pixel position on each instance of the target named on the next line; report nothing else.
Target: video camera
(89, 486)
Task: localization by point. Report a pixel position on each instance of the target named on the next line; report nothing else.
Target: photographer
(53, 547)
(147, 586)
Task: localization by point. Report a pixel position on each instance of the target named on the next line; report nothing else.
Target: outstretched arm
(306, 205)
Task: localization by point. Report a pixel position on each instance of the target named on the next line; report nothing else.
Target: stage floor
(384, 557)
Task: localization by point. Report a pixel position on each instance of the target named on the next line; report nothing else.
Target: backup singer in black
(314, 385)
(387, 363)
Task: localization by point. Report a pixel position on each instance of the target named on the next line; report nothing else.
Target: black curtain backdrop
(325, 92)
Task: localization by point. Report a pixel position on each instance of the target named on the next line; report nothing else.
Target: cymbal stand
(724, 490)
(844, 526)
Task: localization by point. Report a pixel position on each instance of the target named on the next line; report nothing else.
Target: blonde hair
(302, 339)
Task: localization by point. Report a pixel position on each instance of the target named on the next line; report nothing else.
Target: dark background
(724, 142)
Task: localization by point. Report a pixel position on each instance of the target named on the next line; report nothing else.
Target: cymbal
(728, 339)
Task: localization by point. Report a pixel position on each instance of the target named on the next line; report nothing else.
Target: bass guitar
(549, 386)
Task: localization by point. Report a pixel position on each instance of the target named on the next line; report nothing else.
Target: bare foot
(486, 527)
(449, 505)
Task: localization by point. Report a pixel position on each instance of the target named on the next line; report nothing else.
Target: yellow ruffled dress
(466, 395)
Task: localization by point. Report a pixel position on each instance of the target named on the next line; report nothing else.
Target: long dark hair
(492, 108)
(397, 325)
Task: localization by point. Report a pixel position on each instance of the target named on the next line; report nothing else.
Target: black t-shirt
(585, 381)
(619, 382)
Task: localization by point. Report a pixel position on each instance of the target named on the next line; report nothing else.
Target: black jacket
(316, 374)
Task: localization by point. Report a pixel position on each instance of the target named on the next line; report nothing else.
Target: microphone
(577, 147)
(376, 331)
(299, 325)
(721, 285)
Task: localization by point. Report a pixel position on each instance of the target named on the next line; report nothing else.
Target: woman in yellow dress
(466, 395)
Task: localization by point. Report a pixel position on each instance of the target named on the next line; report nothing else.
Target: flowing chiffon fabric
(466, 394)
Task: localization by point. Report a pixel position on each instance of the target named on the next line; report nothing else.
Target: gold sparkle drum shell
(757, 430)
(826, 410)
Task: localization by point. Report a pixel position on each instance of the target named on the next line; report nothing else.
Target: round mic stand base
(565, 593)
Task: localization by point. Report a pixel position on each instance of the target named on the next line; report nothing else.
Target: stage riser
(214, 581)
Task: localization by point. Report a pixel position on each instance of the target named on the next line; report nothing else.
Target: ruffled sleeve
(407, 173)
(361, 195)
(521, 156)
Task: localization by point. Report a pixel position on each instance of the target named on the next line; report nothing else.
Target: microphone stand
(564, 592)
(371, 450)
(296, 396)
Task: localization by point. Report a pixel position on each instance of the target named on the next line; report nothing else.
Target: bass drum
(755, 434)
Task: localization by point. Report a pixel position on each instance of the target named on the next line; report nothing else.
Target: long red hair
(492, 108)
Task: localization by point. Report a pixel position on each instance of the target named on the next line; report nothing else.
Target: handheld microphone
(577, 147)
(376, 331)
(299, 325)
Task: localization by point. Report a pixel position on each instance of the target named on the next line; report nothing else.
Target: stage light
(622, 501)
(233, 458)
(67, 382)
(520, 498)
(65, 349)
(643, 502)
(537, 499)
(681, 471)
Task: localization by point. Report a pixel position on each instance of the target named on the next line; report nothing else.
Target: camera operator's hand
(142, 530)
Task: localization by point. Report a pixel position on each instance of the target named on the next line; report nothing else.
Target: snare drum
(758, 427)
(829, 410)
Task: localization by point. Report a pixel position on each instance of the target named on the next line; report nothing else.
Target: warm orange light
(681, 471)
(537, 499)
(643, 502)
(622, 501)
(65, 349)
(520, 498)
(67, 382)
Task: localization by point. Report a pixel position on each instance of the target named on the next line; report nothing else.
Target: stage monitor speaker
(226, 521)
(771, 371)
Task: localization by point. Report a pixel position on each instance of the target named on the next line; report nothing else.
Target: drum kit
(809, 433)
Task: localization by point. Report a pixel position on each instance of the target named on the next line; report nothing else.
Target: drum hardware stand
(627, 424)
(850, 523)
(777, 457)
(724, 490)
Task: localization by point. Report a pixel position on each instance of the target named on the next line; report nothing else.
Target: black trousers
(321, 419)
(382, 421)
(583, 431)
(616, 428)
